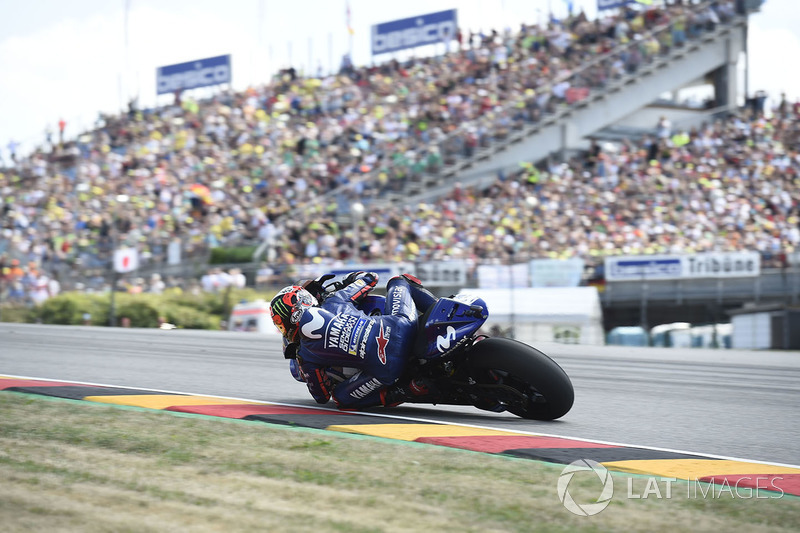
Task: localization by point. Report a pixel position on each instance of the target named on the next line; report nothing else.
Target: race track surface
(728, 403)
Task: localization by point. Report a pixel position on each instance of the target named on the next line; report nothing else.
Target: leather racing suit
(338, 334)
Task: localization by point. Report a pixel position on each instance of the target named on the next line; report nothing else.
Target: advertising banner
(439, 27)
(174, 252)
(694, 266)
(503, 276)
(611, 4)
(442, 274)
(556, 272)
(193, 74)
(628, 268)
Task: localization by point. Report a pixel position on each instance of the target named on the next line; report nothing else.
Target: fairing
(448, 325)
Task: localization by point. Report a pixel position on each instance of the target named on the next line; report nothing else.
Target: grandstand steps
(567, 127)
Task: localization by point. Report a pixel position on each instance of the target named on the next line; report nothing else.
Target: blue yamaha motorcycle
(492, 373)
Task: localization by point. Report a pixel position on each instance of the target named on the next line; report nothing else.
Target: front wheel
(527, 382)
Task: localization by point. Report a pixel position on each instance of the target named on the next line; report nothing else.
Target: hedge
(191, 311)
(237, 254)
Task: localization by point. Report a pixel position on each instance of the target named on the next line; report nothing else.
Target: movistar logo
(309, 329)
(443, 341)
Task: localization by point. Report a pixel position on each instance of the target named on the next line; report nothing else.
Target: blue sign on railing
(193, 74)
(642, 268)
(400, 34)
(610, 4)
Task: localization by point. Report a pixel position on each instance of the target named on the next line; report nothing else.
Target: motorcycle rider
(336, 333)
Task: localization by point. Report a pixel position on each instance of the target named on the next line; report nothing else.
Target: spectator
(239, 166)
(157, 285)
(62, 124)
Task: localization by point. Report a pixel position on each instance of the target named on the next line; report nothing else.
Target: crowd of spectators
(732, 184)
(26, 283)
(236, 168)
(29, 284)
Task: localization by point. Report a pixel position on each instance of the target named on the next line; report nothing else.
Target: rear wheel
(527, 382)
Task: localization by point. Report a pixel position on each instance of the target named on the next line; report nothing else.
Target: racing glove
(366, 282)
(318, 382)
(316, 286)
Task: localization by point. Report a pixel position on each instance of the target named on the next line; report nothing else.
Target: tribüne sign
(700, 265)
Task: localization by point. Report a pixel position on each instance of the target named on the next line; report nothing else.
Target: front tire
(541, 389)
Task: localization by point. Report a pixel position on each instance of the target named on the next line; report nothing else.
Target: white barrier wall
(570, 315)
(752, 331)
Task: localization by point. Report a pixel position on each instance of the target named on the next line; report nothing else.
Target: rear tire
(529, 371)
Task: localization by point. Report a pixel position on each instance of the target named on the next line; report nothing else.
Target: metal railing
(780, 277)
(773, 285)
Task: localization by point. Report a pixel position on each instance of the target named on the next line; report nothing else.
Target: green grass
(75, 466)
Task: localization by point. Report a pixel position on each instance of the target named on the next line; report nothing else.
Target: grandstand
(547, 142)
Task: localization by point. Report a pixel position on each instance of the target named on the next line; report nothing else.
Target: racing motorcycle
(474, 369)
